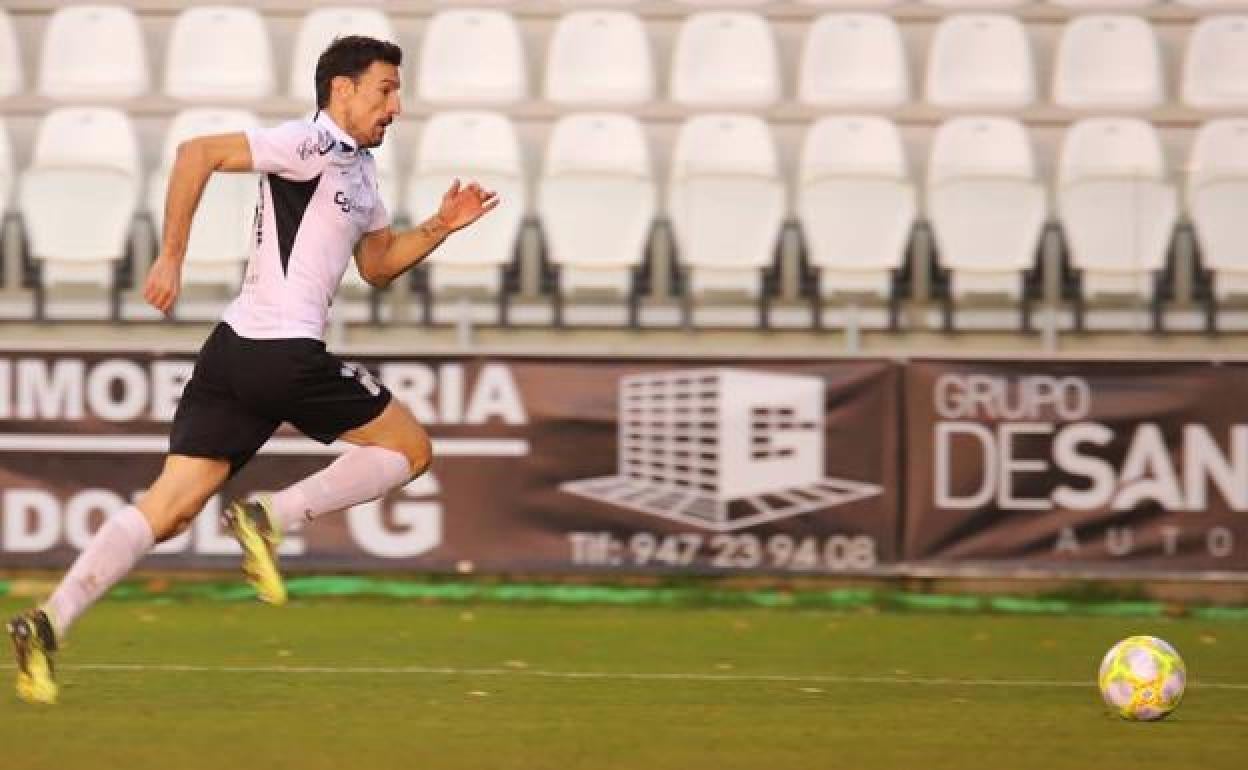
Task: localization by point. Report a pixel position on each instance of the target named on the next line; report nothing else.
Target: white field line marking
(38, 442)
(602, 675)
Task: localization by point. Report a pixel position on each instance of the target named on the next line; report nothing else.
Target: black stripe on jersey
(290, 201)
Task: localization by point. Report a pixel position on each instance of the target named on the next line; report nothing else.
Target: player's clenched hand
(462, 206)
(164, 281)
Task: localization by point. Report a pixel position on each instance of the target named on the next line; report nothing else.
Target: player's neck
(338, 115)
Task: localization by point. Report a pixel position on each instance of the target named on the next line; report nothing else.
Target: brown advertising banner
(1101, 466)
(552, 465)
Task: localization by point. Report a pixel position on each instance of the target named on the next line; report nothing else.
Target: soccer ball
(1142, 678)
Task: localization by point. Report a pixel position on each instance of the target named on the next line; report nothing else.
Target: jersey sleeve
(294, 150)
(381, 216)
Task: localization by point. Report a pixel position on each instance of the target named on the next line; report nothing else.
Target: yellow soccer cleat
(252, 525)
(34, 641)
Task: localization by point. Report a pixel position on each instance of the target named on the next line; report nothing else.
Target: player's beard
(381, 135)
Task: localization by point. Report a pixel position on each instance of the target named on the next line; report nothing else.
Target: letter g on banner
(421, 523)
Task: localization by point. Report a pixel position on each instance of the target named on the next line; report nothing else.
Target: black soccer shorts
(242, 389)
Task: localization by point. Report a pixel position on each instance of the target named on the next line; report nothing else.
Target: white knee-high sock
(113, 552)
(360, 474)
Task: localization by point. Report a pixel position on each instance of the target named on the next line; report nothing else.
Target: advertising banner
(544, 465)
(1094, 465)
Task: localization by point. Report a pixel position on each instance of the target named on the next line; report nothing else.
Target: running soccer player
(266, 363)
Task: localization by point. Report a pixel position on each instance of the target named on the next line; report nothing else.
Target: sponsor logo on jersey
(323, 143)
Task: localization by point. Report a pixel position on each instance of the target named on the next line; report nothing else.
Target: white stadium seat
(855, 202)
(725, 59)
(986, 207)
(1108, 61)
(10, 57)
(853, 59)
(219, 53)
(1215, 68)
(224, 227)
(470, 146)
(1217, 197)
(980, 60)
(599, 57)
(318, 29)
(596, 200)
(726, 202)
(93, 52)
(472, 56)
(78, 197)
(1116, 208)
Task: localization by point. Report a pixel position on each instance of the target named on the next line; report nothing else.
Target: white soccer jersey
(318, 197)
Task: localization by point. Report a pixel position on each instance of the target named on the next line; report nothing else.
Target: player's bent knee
(167, 521)
(170, 526)
(171, 511)
(180, 493)
(419, 454)
(420, 464)
(415, 445)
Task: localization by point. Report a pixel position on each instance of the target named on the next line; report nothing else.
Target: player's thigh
(396, 428)
(180, 491)
(217, 415)
(337, 400)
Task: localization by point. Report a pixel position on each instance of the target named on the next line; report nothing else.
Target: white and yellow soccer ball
(1142, 678)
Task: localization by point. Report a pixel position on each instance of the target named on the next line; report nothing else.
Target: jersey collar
(345, 143)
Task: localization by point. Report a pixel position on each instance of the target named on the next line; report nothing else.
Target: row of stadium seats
(725, 59)
(597, 203)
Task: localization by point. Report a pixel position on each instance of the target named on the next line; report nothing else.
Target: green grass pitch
(381, 684)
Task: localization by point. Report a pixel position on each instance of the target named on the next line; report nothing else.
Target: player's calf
(360, 474)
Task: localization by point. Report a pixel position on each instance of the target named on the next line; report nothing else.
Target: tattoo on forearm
(431, 230)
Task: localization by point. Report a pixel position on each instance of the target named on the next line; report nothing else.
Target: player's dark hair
(351, 57)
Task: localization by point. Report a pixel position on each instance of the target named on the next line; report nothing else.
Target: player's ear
(342, 86)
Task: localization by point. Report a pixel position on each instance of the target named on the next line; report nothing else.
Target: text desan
(1148, 472)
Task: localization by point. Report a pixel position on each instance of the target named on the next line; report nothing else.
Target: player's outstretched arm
(384, 255)
(197, 159)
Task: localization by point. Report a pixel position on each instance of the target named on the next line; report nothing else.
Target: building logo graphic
(721, 449)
